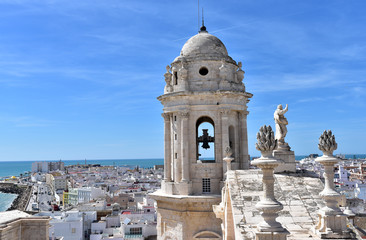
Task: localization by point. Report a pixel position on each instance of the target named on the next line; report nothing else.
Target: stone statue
(224, 71)
(224, 75)
(182, 73)
(281, 122)
(228, 152)
(239, 73)
(168, 79)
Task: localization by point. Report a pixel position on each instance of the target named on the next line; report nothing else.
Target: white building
(99, 205)
(97, 193)
(47, 166)
(139, 231)
(360, 191)
(71, 225)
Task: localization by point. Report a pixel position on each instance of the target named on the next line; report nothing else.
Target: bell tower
(205, 109)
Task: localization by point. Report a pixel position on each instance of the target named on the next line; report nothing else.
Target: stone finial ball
(265, 139)
(327, 143)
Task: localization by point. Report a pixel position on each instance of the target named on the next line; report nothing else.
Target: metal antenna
(203, 19)
(198, 13)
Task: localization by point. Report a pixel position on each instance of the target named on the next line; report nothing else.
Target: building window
(206, 185)
(175, 136)
(73, 230)
(175, 78)
(205, 140)
(175, 118)
(135, 230)
(203, 71)
(176, 155)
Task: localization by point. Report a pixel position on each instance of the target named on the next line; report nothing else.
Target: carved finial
(228, 152)
(266, 140)
(240, 65)
(327, 143)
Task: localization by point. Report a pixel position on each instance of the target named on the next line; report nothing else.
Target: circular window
(203, 71)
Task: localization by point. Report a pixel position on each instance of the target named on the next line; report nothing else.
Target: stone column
(177, 150)
(332, 222)
(167, 147)
(218, 138)
(244, 156)
(269, 229)
(172, 147)
(184, 146)
(237, 138)
(224, 131)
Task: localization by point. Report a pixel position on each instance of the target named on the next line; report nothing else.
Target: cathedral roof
(204, 46)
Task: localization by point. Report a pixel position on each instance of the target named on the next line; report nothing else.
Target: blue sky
(79, 79)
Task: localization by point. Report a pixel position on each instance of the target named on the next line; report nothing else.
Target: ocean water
(15, 168)
(5, 200)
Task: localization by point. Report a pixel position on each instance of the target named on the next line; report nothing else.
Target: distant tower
(203, 86)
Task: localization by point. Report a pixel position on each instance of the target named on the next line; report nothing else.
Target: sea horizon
(15, 168)
(111, 159)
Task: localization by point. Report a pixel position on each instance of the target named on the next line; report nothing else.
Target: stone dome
(204, 46)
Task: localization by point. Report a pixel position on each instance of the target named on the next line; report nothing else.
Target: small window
(176, 78)
(136, 230)
(175, 118)
(73, 230)
(206, 185)
(203, 71)
(175, 136)
(176, 155)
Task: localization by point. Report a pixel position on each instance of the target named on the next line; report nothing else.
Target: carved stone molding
(266, 141)
(327, 143)
(225, 112)
(166, 116)
(184, 114)
(228, 112)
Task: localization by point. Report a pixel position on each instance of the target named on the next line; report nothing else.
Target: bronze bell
(205, 145)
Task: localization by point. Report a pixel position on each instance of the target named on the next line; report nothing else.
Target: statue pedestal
(284, 153)
(271, 235)
(333, 227)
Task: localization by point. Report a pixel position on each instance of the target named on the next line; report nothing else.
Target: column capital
(166, 116)
(243, 113)
(228, 112)
(184, 114)
(225, 112)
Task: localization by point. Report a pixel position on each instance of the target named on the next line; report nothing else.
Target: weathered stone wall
(187, 217)
(360, 223)
(26, 229)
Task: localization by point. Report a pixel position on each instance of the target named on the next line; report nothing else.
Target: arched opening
(205, 140)
(175, 78)
(207, 235)
(232, 140)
